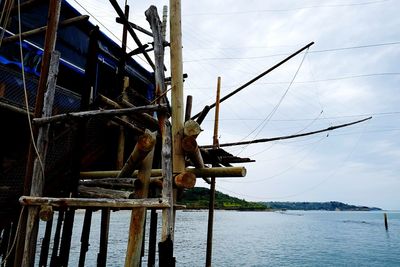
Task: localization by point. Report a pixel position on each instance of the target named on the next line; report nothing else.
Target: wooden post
(44, 252)
(177, 85)
(104, 229)
(54, 261)
(188, 110)
(49, 45)
(165, 246)
(85, 236)
(212, 189)
(151, 259)
(39, 165)
(138, 216)
(386, 221)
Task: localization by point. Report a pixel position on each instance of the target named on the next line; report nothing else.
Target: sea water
(291, 238)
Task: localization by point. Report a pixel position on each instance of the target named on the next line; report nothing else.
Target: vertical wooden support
(54, 255)
(66, 237)
(167, 233)
(105, 223)
(87, 221)
(49, 45)
(44, 252)
(151, 259)
(39, 165)
(166, 245)
(212, 188)
(177, 85)
(386, 221)
(136, 228)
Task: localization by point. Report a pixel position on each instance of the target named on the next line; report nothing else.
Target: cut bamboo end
(185, 180)
(191, 128)
(46, 213)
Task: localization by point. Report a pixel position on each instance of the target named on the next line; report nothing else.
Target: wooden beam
(185, 180)
(99, 192)
(124, 21)
(199, 172)
(40, 30)
(134, 26)
(95, 202)
(144, 145)
(99, 113)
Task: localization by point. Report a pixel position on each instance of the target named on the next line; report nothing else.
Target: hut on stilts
(84, 126)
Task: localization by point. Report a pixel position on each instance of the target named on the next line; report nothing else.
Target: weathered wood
(151, 259)
(124, 123)
(66, 237)
(38, 167)
(164, 23)
(104, 230)
(44, 252)
(40, 30)
(143, 146)
(199, 172)
(185, 180)
(99, 192)
(189, 145)
(14, 109)
(141, 117)
(46, 213)
(138, 216)
(99, 113)
(124, 21)
(54, 255)
(126, 183)
(87, 221)
(95, 202)
(191, 128)
(188, 110)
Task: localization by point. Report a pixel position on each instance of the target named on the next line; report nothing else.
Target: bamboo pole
(212, 188)
(189, 145)
(138, 216)
(265, 140)
(185, 180)
(218, 172)
(258, 77)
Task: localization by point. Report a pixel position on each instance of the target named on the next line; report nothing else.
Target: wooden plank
(95, 202)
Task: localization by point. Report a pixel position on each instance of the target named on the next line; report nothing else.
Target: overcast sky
(351, 72)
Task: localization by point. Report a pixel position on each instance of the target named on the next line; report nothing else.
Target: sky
(350, 73)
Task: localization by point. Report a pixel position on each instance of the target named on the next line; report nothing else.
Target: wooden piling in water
(386, 221)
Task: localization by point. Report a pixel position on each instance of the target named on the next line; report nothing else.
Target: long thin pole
(212, 188)
(257, 77)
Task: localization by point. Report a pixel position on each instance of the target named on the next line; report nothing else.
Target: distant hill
(198, 198)
(332, 205)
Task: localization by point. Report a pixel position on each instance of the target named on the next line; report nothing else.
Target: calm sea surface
(293, 238)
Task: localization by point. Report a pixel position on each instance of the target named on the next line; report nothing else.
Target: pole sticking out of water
(386, 221)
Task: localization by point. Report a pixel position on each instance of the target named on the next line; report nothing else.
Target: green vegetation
(332, 205)
(198, 198)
